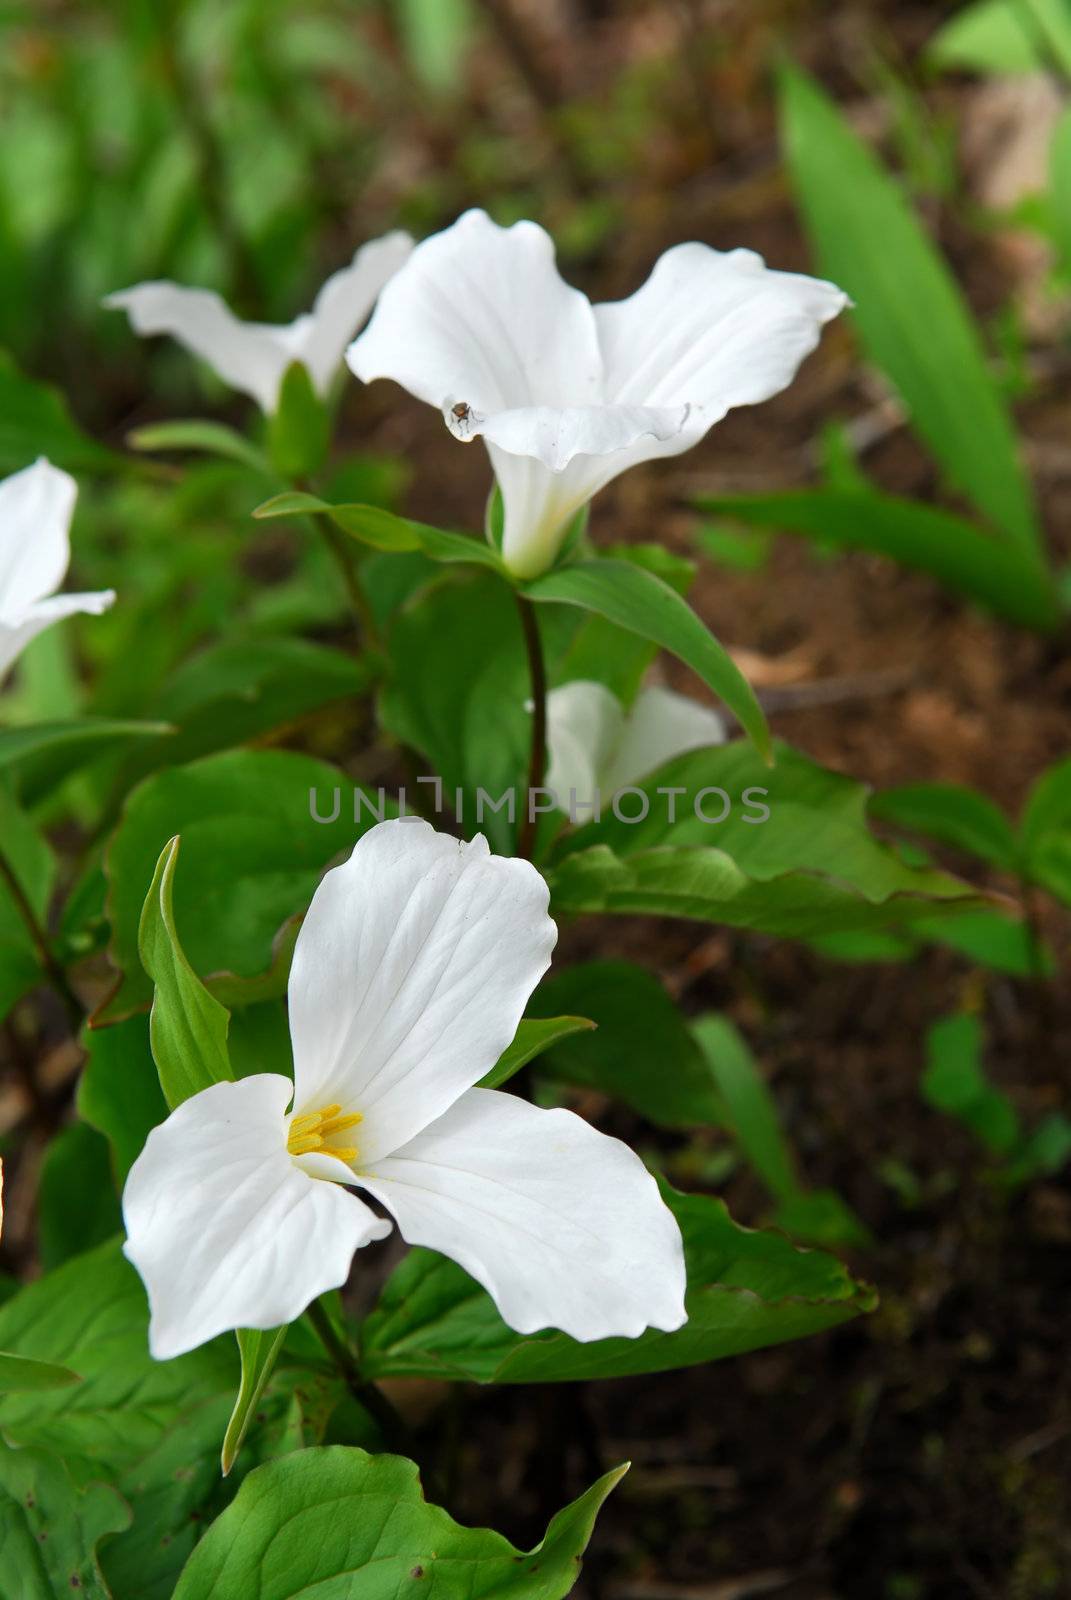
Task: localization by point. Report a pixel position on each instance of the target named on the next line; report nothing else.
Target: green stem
(39, 939)
(537, 764)
(366, 1394)
(340, 548)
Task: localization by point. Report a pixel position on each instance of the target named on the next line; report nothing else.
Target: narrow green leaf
(1008, 580)
(383, 530)
(911, 316)
(750, 1105)
(991, 36)
(40, 756)
(187, 1027)
(258, 1351)
(955, 1082)
(23, 1372)
(638, 601)
(534, 1035)
(359, 1524)
(207, 438)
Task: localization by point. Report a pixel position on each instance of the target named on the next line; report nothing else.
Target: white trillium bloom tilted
(253, 356)
(36, 506)
(410, 975)
(595, 746)
(567, 394)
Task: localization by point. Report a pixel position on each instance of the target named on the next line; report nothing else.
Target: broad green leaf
(955, 1082)
(638, 601)
(985, 567)
(50, 1528)
(534, 1036)
(258, 1352)
(77, 1205)
(641, 1051)
(299, 429)
(152, 1428)
(1048, 806)
(236, 691)
(187, 1025)
(203, 437)
(952, 814)
(797, 818)
(341, 1523)
(38, 758)
(990, 938)
(383, 530)
(119, 1091)
(746, 1289)
(22, 1372)
(911, 317)
(252, 854)
(35, 421)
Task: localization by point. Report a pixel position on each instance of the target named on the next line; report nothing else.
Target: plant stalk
(366, 1394)
(39, 939)
(537, 764)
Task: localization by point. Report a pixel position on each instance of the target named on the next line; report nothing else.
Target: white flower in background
(567, 394)
(596, 747)
(253, 356)
(36, 506)
(410, 975)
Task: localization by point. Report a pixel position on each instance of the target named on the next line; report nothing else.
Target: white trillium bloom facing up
(36, 506)
(567, 394)
(595, 746)
(410, 975)
(253, 356)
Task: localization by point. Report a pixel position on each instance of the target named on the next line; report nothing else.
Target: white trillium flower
(253, 356)
(567, 394)
(410, 975)
(36, 507)
(595, 746)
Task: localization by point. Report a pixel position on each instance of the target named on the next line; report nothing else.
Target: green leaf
(911, 316)
(40, 757)
(746, 1290)
(252, 854)
(119, 1091)
(383, 530)
(258, 1351)
(534, 1036)
(50, 1528)
(363, 1522)
(706, 885)
(299, 429)
(814, 1216)
(208, 438)
(33, 866)
(641, 1052)
(991, 36)
(77, 1206)
(187, 1026)
(955, 1082)
(22, 1372)
(35, 421)
(983, 566)
(152, 1428)
(1048, 806)
(954, 815)
(639, 602)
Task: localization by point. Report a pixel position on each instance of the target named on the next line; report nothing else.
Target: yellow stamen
(310, 1131)
(336, 1124)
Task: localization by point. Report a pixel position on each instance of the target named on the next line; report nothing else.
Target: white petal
(250, 356)
(16, 634)
(410, 975)
(710, 329)
(562, 1225)
(36, 506)
(345, 301)
(479, 313)
(660, 726)
(224, 1229)
(557, 436)
(584, 727)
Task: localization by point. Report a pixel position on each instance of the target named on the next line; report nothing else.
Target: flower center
(312, 1131)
